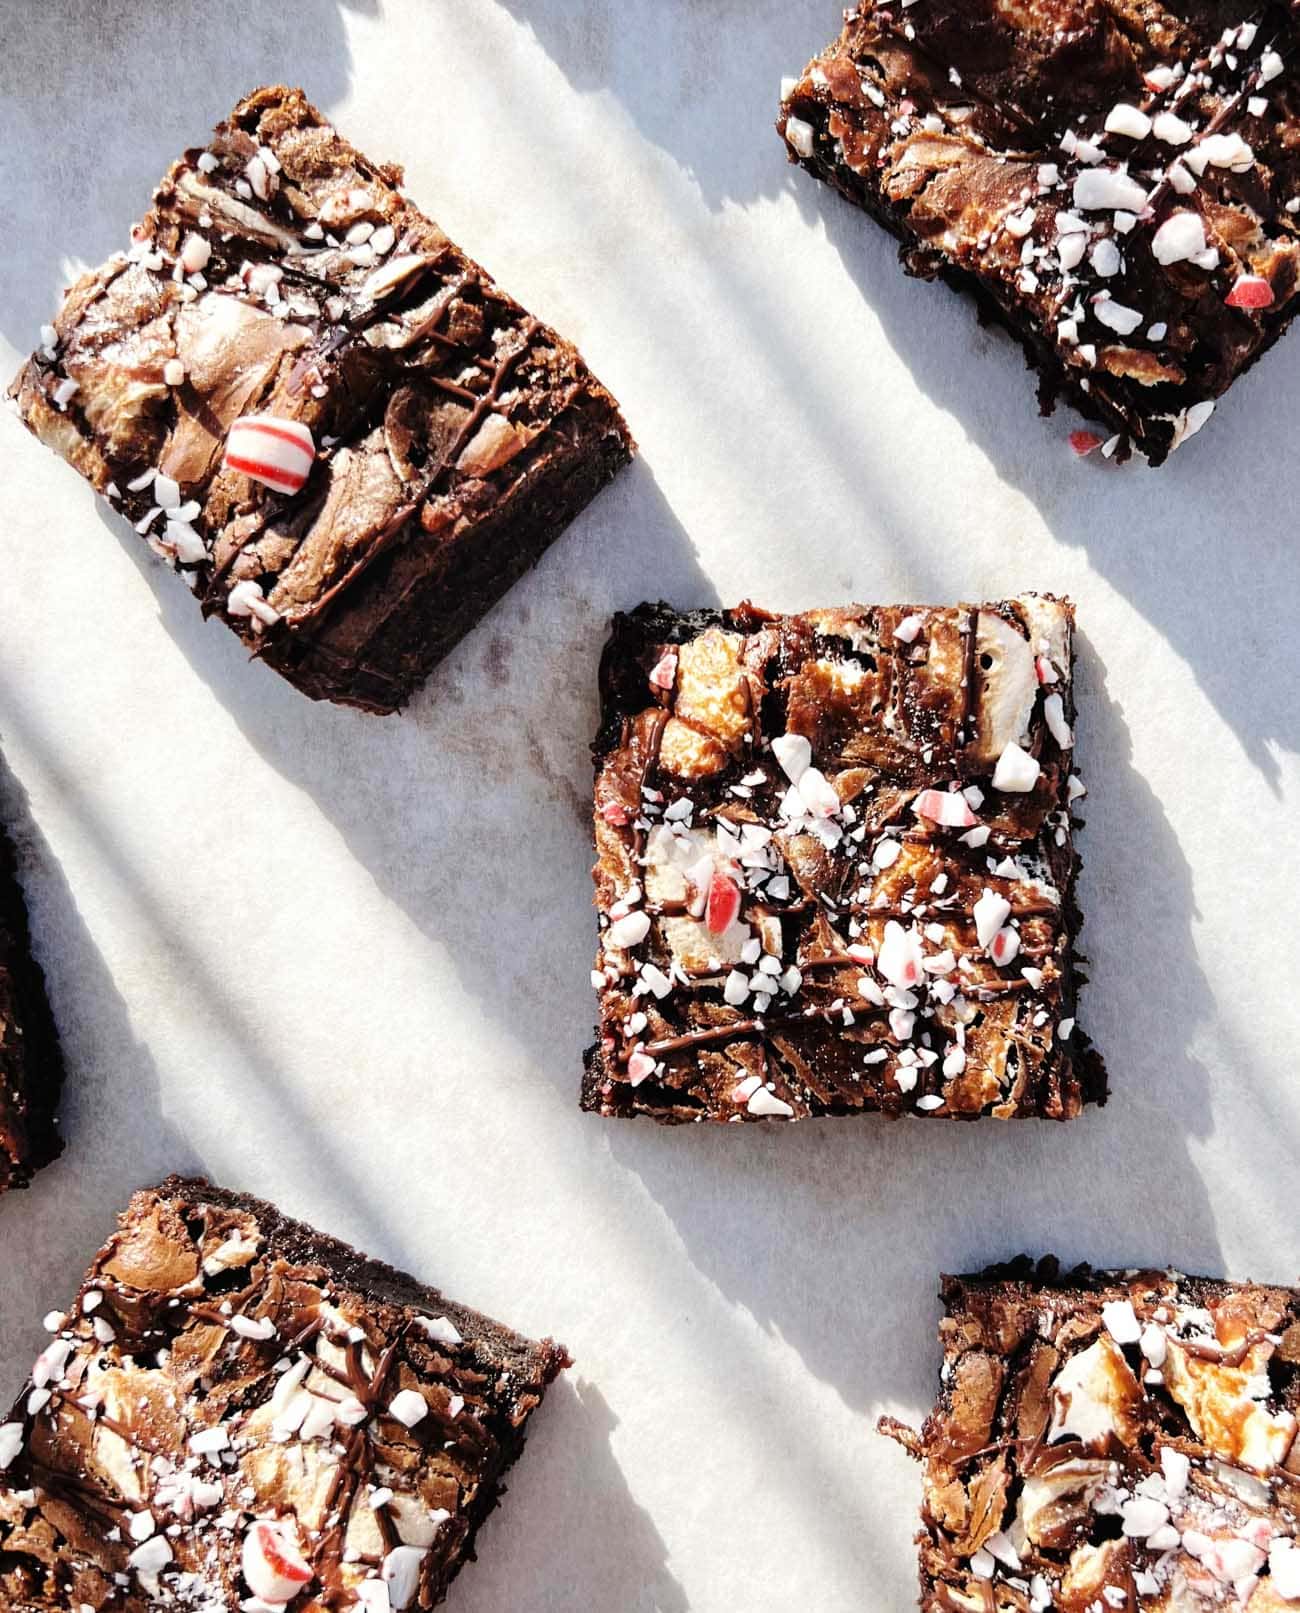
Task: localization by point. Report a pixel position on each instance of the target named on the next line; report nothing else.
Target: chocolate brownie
(238, 1412)
(31, 1064)
(1117, 181)
(1111, 1440)
(835, 865)
(345, 436)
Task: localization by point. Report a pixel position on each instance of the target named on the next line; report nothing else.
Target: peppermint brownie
(1117, 182)
(1111, 1440)
(31, 1065)
(345, 436)
(238, 1412)
(835, 865)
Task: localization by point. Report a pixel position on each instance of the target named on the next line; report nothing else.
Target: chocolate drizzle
(881, 115)
(173, 1379)
(341, 625)
(445, 461)
(1095, 1513)
(969, 1036)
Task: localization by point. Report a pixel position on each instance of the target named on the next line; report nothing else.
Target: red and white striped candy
(277, 452)
(946, 807)
(273, 1566)
(1250, 291)
(723, 905)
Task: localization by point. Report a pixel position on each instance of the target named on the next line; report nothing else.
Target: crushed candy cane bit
(276, 452)
(272, 1563)
(1250, 291)
(664, 673)
(947, 807)
(723, 903)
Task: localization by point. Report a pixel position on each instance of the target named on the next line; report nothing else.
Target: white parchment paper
(343, 961)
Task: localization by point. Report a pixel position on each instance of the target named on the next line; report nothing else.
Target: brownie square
(1117, 183)
(835, 865)
(1110, 1439)
(238, 1412)
(31, 1063)
(346, 437)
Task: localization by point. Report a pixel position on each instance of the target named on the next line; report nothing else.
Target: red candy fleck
(616, 813)
(1043, 667)
(664, 674)
(724, 903)
(1083, 442)
(1250, 291)
(942, 806)
(639, 1066)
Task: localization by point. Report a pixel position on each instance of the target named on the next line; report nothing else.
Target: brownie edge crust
(1108, 1439)
(1117, 183)
(346, 437)
(31, 1061)
(237, 1411)
(835, 865)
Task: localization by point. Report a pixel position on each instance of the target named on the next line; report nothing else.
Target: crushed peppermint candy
(1108, 188)
(947, 807)
(1250, 291)
(1017, 771)
(408, 1407)
(272, 1561)
(896, 922)
(1179, 238)
(277, 452)
(664, 672)
(247, 599)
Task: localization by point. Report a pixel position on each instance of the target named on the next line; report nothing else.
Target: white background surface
(342, 961)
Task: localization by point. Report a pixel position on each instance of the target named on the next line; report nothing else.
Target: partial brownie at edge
(1117, 183)
(239, 1412)
(1111, 1440)
(31, 1063)
(835, 865)
(348, 439)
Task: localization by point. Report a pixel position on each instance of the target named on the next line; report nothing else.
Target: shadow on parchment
(706, 90)
(112, 1116)
(568, 1478)
(116, 1102)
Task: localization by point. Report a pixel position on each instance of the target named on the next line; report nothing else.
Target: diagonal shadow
(540, 1559)
(116, 1132)
(706, 97)
(1207, 512)
(115, 1121)
(494, 749)
(704, 91)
